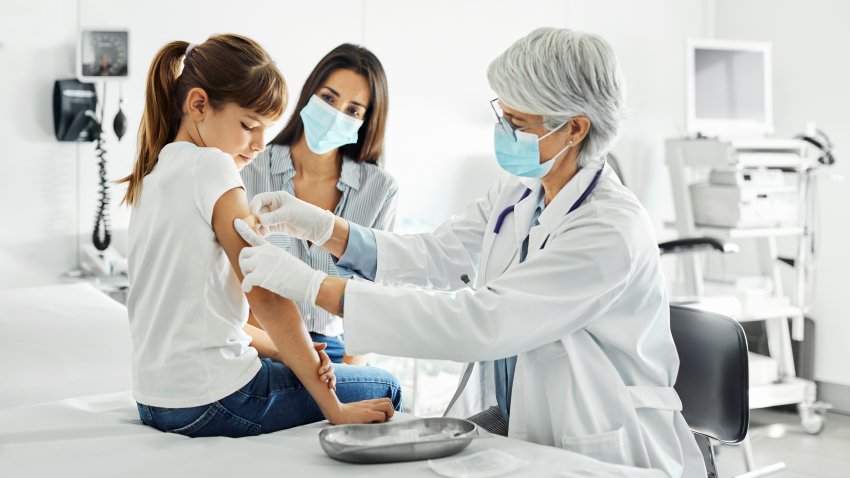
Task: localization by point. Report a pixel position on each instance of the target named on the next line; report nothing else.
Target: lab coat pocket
(609, 447)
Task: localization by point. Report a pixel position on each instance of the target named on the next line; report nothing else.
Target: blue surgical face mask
(522, 157)
(326, 128)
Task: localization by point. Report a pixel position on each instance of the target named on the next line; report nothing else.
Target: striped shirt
(368, 199)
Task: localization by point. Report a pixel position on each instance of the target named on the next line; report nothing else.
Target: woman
(566, 291)
(328, 155)
(198, 370)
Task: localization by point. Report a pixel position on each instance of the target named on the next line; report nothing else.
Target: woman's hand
(378, 410)
(282, 213)
(326, 367)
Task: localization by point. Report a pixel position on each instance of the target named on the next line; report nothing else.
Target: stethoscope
(508, 210)
(499, 221)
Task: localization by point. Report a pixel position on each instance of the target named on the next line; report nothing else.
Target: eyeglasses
(509, 129)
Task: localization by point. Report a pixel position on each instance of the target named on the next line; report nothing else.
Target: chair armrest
(693, 244)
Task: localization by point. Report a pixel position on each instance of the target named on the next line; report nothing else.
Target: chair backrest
(713, 380)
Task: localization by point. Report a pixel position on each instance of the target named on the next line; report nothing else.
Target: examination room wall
(811, 77)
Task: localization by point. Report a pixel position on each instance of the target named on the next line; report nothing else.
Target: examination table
(66, 410)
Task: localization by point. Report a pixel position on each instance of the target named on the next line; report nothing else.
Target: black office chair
(713, 381)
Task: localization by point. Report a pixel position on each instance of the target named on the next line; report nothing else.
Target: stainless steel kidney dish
(411, 440)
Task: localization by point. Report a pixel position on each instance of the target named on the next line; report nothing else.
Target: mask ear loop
(562, 150)
(556, 129)
(558, 153)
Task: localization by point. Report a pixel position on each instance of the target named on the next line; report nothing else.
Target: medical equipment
(398, 441)
(691, 162)
(744, 206)
(507, 211)
(729, 88)
(74, 105)
(490, 420)
(746, 177)
(821, 141)
(755, 188)
(510, 209)
(119, 124)
(102, 55)
(76, 119)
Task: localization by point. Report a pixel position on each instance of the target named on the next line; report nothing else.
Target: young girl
(328, 155)
(198, 369)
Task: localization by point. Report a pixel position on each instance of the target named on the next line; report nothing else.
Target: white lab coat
(587, 316)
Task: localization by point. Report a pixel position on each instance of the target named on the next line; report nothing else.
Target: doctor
(554, 274)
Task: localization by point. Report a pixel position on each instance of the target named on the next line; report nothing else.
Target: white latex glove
(276, 270)
(282, 213)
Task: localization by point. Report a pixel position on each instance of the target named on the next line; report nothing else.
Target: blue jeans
(336, 346)
(273, 400)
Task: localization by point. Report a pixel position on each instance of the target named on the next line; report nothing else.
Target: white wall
(37, 188)
(810, 84)
(439, 143)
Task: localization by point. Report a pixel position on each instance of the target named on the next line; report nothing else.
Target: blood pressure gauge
(102, 55)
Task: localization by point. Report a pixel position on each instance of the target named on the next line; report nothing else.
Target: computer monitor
(730, 89)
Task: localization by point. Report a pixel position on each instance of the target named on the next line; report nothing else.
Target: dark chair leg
(491, 420)
(707, 450)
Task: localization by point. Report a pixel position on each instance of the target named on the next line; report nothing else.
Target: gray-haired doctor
(566, 301)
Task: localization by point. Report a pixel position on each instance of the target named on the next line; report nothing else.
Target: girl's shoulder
(187, 157)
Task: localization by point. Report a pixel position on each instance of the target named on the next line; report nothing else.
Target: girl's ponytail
(161, 117)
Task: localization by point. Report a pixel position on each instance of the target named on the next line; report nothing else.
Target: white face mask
(520, 155)
(326, 128)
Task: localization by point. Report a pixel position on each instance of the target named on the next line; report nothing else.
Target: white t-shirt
(185, 303)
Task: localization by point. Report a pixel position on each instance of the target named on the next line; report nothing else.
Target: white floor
(777, 436)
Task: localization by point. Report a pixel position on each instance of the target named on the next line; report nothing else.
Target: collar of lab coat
(553, 215)
(524, 213)
(281, 163)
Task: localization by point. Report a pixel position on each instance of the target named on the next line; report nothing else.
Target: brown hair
(229, 68)
(369, 147)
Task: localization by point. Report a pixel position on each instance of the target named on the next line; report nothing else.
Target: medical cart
(759, 191)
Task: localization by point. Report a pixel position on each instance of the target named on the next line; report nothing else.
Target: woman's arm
(279, 317)
(338, 242)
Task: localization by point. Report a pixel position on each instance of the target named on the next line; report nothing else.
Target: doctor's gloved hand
(274, 269)
(282, 213)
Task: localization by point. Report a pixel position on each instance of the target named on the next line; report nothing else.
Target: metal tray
(411, 440)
